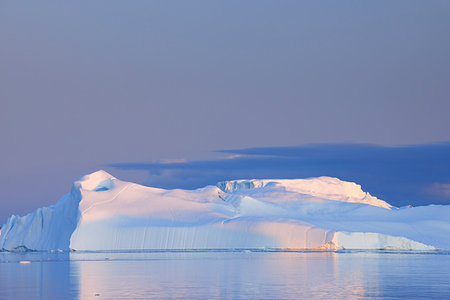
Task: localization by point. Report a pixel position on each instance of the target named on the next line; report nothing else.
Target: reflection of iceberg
(36, 275)
(216, 275)
(104, 213)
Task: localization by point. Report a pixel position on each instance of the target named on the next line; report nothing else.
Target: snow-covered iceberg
(104, 213)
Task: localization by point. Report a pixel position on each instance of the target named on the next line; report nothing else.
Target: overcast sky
(85, 84)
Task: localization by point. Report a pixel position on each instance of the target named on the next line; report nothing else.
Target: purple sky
(84, 84)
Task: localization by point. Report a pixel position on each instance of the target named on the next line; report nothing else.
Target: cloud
(173, 161)
(399, 175)
(439, 189)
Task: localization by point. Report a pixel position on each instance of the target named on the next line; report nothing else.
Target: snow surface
(104, 213)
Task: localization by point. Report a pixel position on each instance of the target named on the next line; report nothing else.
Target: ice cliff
(104, 213)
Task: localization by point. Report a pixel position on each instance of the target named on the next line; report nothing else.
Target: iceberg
(103, 213)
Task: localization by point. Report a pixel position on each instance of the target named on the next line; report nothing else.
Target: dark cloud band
(400, 175)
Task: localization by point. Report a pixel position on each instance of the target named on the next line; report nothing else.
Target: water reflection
(237, 275)
(46, 276)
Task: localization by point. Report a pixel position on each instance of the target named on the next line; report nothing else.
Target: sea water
(238, 274)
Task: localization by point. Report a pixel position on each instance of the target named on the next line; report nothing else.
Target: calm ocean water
(225, 275)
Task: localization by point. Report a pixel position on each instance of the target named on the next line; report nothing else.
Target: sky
(401, 175)
(87, 85)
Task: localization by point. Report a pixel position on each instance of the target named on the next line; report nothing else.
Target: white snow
(322, 187)
(104, 213)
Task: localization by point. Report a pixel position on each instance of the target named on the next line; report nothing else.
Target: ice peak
(99, 180)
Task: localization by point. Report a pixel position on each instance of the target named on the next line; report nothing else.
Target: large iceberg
(104, 213)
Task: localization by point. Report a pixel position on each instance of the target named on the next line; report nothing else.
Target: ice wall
(48, 228)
